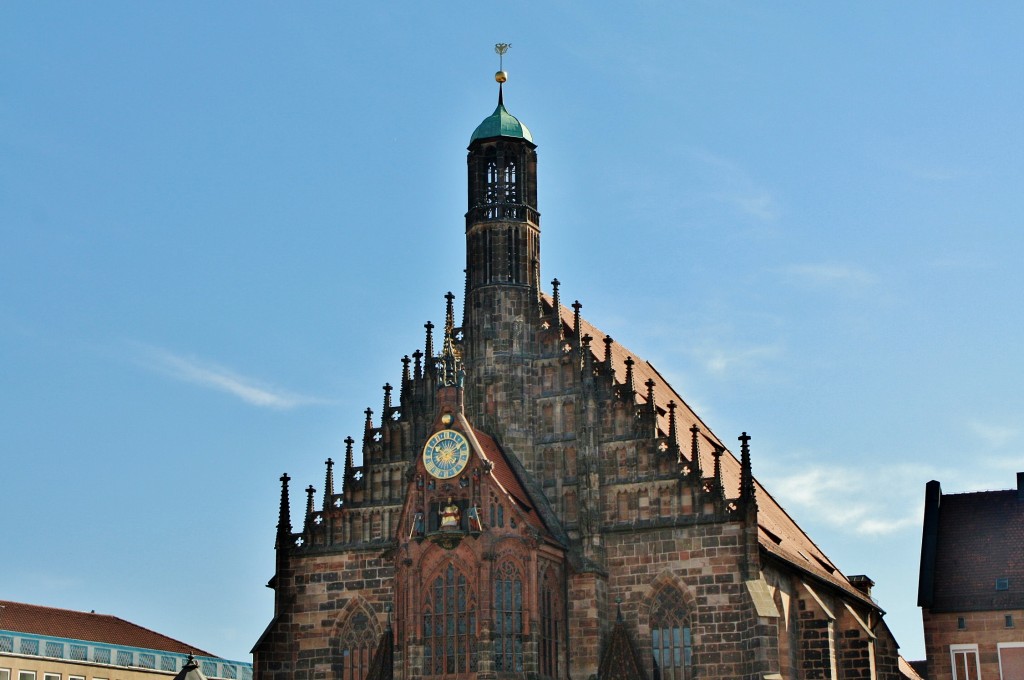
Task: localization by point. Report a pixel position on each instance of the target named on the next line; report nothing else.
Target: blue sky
(222, 225)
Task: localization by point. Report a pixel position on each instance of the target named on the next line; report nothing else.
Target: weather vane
(500, 49)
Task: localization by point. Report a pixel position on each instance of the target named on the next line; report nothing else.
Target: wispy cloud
(993, 434)
(213, 376)
(830, 274)
(722, 361)
(737, 188)
(850, 500)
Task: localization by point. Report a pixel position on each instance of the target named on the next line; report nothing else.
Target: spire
(673, 435)
(451, 358)
(556, 309)
(576, 324)
(387, 404)
(746, 475)
(719, 488)
(429, 351)
(368, 427)
(309, 504)
(609, 365)
(651, 406)
(418, 366)
(695, 471)
(329, 484)
(588, 358)
(348, 474)
(284, 518)
(630, 388)
(403, 390)
(449, 313)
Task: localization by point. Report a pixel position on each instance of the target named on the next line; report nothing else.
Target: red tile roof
(87, 626)
(980, 539)
(778, 532)
(502, 473)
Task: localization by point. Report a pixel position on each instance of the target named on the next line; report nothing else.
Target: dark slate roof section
(620, 659)
(979, 542)
(88, 627)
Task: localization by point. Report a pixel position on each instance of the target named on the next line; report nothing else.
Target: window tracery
(671, 636)
(449, 626)
(508, 619)
(357, 643)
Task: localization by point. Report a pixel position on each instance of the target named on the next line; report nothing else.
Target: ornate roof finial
(284, 518)
(450, 363)
(695, 470)
(387, 404)
(429, 351)
(673, 440)
(329, 484)
(405, 379)
(630, 387)
(348, 474)
(368, 426)
(500, 49)
(746, 474)
(719, 488)
(556, 308)
(418, 366)
(651, 406)
(309, 503)
(609, 365)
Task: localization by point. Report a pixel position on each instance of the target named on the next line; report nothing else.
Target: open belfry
(536, 501)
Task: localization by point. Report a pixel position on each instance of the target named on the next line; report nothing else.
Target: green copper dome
(501, 123)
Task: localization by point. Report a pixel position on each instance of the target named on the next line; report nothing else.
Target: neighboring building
(45, 643)
(536, 501)
(971, 589)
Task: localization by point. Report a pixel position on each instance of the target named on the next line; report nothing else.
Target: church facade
(536, 501)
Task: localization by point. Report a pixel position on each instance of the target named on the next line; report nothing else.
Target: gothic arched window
(671, 638)
(449, 626)
(357, 644)
(511, 188)
(508, 619)
(550, 623)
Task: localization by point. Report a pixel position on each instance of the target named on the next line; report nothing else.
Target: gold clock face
(445, 454)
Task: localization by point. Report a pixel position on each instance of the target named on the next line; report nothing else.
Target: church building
(534, 500)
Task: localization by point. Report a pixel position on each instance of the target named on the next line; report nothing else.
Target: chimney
(862, 583)
(1020, 486)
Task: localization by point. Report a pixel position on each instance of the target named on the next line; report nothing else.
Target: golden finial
(501, 49)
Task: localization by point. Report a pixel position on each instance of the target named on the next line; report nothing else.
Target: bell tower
(502, 253)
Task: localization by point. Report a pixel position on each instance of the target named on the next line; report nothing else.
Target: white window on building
(51, 676)
(1011, 660)
(26, 675)
(76, 677)
(5, 674)
(965, 662)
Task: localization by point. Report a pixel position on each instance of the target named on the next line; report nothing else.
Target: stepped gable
(778, 533)
(88, 627)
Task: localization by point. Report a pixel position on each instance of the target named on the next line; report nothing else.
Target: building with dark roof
(971, 587)
(47, 643)
(536, 501)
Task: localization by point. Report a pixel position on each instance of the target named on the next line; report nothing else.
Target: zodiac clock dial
(446, 454)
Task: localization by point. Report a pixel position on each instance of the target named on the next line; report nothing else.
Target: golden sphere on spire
(501, 76)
